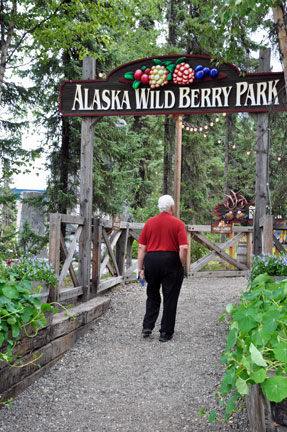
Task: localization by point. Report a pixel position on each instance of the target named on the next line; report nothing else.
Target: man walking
(162, 254)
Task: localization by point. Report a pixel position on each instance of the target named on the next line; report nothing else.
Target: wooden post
(231, 249)
(188, 253)
(267, 238)
(86, 188)
(54, 250)
(96, 269)
(177, 164)
(261, 160)
(249, 248)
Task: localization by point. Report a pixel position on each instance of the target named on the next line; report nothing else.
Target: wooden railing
(219, 250)
(111, 255)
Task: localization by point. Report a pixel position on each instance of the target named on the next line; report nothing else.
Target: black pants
(162, 268)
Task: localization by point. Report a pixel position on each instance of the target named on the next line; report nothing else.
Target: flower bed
(273, 265)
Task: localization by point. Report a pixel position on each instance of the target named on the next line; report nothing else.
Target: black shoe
(146, 332)
(165, 337)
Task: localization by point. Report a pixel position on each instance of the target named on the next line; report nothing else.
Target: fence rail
(111, 253)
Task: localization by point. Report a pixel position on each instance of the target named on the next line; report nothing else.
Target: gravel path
(113, 380)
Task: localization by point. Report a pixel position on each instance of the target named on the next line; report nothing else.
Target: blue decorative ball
(213, 73)
(199, 74)
(206, 71)
(198, 68)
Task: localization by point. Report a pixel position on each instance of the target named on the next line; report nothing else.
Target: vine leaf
(10, 292)
(229, 308)
(280, 351)
(242, 386)
(212, 416)
(275, 388)
(259, 376)
(270, 321)
(231, 339)
(15, 331)
(247, 319)
(256, 356)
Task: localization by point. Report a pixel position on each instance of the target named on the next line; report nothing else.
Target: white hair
(165, 202)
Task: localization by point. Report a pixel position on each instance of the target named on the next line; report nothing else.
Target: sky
(37, 178)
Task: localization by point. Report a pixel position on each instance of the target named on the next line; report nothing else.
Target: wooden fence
(111, 253)
(219, 250)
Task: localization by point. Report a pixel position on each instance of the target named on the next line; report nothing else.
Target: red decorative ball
(145, 78)
(183, 74)
(137, 74)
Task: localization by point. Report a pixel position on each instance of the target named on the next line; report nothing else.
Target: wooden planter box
(263, 415)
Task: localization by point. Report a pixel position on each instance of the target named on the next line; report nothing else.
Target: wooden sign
(235, 209)
(174, 85)
(218, 228)
(116, 226)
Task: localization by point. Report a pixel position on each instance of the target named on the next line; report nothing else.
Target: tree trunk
(281, 28)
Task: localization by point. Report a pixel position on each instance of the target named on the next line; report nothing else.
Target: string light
(101, 74)
(188, 127)
(224, 114)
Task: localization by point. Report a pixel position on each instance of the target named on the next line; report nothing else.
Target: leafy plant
(271, 264)
(29, 268)
(256, 349)
(19, 310)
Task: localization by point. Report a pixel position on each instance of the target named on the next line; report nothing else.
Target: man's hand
(141, 255)
(183, 249)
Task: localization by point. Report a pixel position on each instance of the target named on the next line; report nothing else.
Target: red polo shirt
(163, 232)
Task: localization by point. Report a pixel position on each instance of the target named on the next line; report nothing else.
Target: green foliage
(29, 242)
(256, 349)
(19, 310)
(273, 265)
(29, 268)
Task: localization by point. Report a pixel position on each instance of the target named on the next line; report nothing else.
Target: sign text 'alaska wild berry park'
(174, 85)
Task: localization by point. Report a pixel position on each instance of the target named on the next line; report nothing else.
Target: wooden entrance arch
(125, 92)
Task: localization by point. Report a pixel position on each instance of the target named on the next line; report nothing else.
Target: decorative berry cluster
(183, 74)
(162, 72)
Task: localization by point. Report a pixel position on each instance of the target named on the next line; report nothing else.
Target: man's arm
(183, 249)
(141, 255)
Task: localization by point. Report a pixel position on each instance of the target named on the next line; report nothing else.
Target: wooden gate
(110, 253)
(219, 250)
